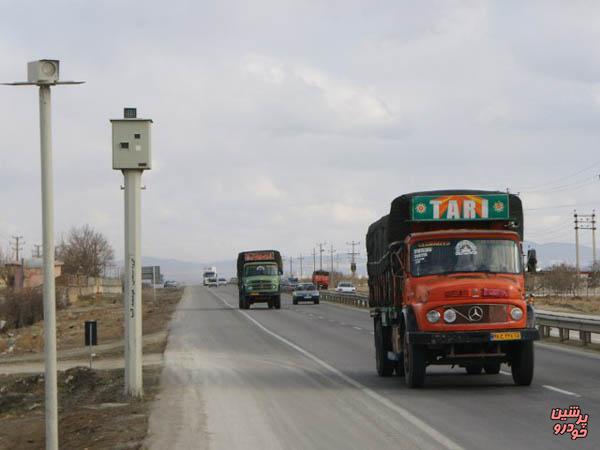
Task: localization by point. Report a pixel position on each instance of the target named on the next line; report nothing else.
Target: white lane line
(562, 391)
(321, 317)
(357, 328)
(504, 372)
(408, 416)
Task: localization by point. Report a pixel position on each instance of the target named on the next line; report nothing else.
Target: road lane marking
(321, 317)
(562, 391)
(504, 372)
(404, 413)
(357, 328)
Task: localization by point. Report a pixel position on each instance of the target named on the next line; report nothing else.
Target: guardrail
(565, 324)
(356, 300)
(544, 321)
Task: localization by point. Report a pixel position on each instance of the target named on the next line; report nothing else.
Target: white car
(345, 286)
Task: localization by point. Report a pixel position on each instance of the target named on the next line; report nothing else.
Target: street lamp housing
(43, 71)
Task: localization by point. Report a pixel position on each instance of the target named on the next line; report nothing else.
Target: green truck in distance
(258, 274)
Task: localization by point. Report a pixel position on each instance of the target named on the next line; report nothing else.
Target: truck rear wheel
(384, 366)
(414, 365)
(522, 363)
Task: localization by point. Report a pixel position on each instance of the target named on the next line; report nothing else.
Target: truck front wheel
(414, 365)
(277, 302)
(522, 363)
(385, 367)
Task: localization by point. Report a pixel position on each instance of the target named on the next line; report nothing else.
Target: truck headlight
(433, 316)
(449, 315)
(516, 313)
(248, 288)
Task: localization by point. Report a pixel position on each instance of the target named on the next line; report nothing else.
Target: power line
(533, 187)
(565, 187)
(571, 205)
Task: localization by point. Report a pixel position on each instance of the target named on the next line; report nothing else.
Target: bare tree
(85, 252)
(4, 271)
(561, 278)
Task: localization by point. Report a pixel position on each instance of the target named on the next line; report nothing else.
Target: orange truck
(320, 279)
(446, 285)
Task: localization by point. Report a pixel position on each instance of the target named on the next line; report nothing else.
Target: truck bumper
(473, 337)
(261, 296)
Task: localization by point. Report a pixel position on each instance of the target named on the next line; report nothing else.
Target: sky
(280, 124)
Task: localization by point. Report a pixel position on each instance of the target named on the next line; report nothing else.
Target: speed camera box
(131, 144)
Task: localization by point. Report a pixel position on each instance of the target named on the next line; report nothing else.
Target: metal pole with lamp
(45, 73)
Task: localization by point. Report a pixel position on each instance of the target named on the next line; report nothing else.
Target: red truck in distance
(446, 285)
(320, 279)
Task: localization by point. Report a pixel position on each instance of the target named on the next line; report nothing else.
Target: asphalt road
(303, 377)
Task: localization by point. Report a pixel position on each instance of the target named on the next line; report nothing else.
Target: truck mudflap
(473, 337)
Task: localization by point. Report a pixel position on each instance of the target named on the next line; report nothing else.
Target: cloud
(282, 124)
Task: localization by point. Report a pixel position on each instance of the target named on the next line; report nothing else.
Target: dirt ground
(93, 411)
(107, 310)
(580, 305)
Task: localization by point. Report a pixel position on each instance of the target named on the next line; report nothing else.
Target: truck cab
(450, 291)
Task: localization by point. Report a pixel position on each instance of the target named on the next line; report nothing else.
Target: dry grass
(107, 310)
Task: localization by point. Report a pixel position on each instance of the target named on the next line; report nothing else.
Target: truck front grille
(262, 285)
(486, 313)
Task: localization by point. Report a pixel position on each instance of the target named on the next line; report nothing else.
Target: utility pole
(291, 267)
(321, 250)
(594, 261)
(585, 222)
(18, 246)
(331, 252)
(301, 274)
(45, 73)
(576, 242)
(37, 253)
(353, 254)
(314, 260)
(131, 155)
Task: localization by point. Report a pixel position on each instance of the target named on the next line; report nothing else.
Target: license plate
(254, 294)
(308, 297)
(506, 336)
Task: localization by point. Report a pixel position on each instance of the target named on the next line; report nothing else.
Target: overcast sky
(286, 123)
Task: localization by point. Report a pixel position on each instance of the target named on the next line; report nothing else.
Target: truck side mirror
(531, 261)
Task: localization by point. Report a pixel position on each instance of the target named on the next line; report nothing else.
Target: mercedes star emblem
(475, 313)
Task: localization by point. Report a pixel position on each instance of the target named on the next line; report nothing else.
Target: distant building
(29, 273)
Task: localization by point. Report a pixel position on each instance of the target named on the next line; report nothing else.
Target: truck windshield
(465, 255)
(209, 274)
(263, 269)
